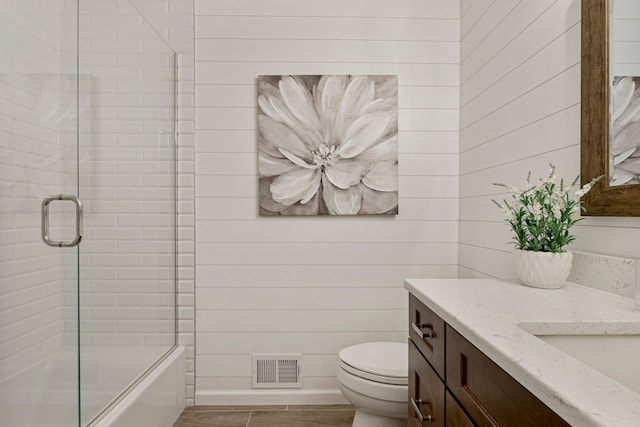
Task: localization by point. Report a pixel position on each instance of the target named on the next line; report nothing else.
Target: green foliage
(540, 216)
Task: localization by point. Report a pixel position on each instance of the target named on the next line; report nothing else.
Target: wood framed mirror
(596, 158)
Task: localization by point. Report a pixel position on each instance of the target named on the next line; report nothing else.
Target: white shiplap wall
(625, 35)
(520, 111)
(315, 285)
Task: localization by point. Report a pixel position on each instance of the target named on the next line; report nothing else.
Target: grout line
(249, 419)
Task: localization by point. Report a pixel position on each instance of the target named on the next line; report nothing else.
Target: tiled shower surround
(174, 22)
(126, 130)
(126, 180)
(31, 279)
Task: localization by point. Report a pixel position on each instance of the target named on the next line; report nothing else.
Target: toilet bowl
(373, 378)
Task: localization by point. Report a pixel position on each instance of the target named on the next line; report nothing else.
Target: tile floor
(267, 416)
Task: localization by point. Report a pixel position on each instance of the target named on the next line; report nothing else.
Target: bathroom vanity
(494, 353)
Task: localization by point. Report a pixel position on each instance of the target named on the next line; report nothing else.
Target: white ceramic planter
(545, 270)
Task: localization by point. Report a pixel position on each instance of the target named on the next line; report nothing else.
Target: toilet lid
(381, 360)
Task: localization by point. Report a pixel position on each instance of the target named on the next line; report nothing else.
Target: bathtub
(156, 400)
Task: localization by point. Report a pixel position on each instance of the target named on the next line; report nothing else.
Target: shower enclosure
(87, 208)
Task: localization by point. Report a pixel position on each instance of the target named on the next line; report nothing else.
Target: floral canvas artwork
(625, 132)
(328, 144)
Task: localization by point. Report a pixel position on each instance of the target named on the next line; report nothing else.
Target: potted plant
(540, 217)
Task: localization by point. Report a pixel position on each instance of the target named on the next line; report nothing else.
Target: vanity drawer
(426, 330)
(426, 393)
(483, 388)
(455, 414)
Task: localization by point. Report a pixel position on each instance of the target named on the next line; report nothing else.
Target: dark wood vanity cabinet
(455, 415)
(453, 384)
(427, 392)
(426, 330)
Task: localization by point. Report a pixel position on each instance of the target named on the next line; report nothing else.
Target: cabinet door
(426, 330)
(490, 395)
(426, 393)
(455, 414)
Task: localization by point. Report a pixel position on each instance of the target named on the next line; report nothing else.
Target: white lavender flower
(537, 211)
(540, 216)
(584, 190)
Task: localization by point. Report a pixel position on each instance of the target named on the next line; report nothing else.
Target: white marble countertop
(488, 314)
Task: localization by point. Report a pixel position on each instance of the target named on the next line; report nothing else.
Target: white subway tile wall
(31, 118)
(126, 125)
(520, 111)
(173, 20)
(316, 285)
(125, 153)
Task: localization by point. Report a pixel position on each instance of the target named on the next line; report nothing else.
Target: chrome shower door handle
(44, 225)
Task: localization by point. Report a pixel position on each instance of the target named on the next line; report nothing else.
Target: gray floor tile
(235, 408)
(302, 418)
(213, 419)
(267, 416)
(323, 407)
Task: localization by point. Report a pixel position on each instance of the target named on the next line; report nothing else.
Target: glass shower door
(127, 158)
(38, 146)
(87, 109)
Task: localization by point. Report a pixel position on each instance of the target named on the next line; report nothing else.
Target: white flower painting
(328, 144)
(625, 133)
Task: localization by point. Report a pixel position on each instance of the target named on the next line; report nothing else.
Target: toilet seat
(382, 362)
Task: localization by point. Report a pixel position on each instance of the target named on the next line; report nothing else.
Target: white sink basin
(616, 356)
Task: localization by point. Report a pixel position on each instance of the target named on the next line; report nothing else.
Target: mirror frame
(603, 199)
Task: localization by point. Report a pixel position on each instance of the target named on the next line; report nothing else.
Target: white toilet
(373, 378)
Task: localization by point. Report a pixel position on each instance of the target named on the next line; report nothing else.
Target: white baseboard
(269, 397)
